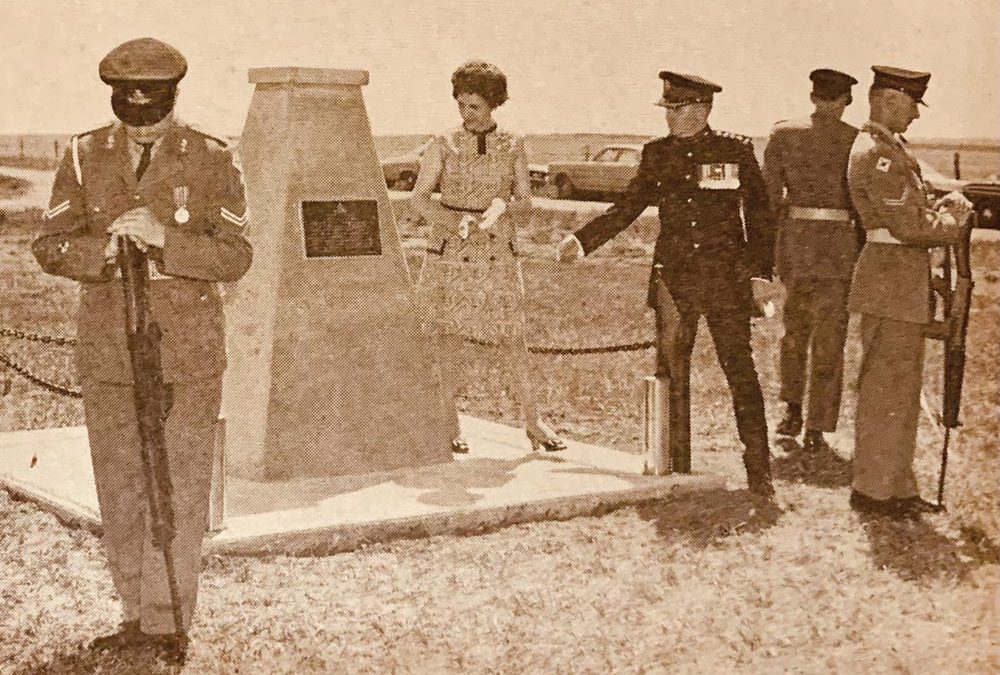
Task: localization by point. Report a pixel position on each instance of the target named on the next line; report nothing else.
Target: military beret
(829, 83)
(144, 60)
(680, 89)
(910, 82)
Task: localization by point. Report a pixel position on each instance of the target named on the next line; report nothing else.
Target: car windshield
(630, 157)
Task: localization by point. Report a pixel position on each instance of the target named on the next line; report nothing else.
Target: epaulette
(94, 131)
(208, 137)
(745, 140)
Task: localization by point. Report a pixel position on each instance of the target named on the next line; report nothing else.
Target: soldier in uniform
(177, 194)
(805, 167)
(890, 290)
(716, 235)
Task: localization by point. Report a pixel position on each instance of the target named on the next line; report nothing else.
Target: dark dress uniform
(192, 187)
(891, 291)
(805, 167)
(716, 233)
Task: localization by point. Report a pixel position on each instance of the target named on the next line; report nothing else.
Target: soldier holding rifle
(891, 291)
(162, 203)
(713, 258)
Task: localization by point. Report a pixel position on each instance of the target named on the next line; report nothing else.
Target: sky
(580, 66)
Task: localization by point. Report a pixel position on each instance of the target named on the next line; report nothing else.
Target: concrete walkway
(501, 482)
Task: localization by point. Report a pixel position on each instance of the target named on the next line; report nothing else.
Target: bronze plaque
(336, 229)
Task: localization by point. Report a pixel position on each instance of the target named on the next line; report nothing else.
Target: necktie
(147, 152)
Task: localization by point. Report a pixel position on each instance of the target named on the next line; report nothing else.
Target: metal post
(656, 423)
(957, 159)
(217, 494)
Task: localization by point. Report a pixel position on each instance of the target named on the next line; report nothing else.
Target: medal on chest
(181, 215)
(719, 176)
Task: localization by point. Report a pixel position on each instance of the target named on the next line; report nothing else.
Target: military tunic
(192, 187)
(805, 167)
(473, 285)
(890, 289)
(716, 233)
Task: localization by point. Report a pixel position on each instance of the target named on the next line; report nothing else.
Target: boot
(791, 425)
(758, 466)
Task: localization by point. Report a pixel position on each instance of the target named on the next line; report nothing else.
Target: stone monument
(329, 373)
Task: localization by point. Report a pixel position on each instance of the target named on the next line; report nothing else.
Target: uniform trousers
(676, 330)
(137, 566)
(815, 318)
(888, 411)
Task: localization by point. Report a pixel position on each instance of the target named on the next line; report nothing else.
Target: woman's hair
(484, 79)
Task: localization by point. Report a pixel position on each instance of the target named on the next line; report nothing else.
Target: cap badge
(137, 97)
(883, 164)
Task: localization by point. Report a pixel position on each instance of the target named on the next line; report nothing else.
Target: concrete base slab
(500, 482)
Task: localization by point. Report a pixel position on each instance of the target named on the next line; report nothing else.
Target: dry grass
(711, 584)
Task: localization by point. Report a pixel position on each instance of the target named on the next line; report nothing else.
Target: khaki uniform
(805, 167)
(94, 185)
(891, 290)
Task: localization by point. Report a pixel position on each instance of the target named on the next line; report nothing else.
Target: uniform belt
(881, 235)
(810, 213)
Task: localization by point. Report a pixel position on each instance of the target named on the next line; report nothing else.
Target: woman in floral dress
(471, 283)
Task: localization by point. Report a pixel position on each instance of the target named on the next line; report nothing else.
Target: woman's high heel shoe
(459, 446)
(546, 443)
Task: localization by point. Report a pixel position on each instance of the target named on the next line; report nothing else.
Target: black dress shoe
(791, 424)
(172, 648)
(459, 446)
(814, 441)
(917, 504)
(128, 634)
(758, 473)
(889, 508)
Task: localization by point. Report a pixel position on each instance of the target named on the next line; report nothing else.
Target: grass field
(714, 584)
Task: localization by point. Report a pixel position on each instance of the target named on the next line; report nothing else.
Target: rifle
(955, 288)
(152, 406)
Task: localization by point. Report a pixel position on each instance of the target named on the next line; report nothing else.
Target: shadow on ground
(706, 518)
(915, 550)
(86, 660)
(822, 468)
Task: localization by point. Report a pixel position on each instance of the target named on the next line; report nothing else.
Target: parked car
(603, 176)
(401, 171)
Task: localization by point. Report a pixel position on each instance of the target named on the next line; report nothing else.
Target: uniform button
(694, 223)
(97, 209)
(493, 258)
(689, 200)
(137, 197)
(465, 259)
(203, 297)
(687, 177)
(690, 154)
(697, 245)
(492, 236)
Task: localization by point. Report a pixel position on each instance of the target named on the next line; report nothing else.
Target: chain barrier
(37, 337)
(571, 351)
(24, 372)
